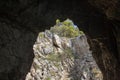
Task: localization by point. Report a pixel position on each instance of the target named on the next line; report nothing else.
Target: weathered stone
(104, 58)
(57, 41)
(66, 59)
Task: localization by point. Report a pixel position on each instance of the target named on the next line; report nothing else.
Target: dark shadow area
(85, 66)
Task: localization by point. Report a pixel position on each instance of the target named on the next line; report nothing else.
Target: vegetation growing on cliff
(41, 35)
(66, 29)
(59, 57)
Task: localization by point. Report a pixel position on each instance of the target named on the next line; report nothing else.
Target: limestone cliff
(63, 58)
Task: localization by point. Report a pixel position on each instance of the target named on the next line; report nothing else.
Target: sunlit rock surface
(63, 58)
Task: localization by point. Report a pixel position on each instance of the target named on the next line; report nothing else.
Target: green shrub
(65, 29)
(68, 53)
(60, 57)
(48, 78)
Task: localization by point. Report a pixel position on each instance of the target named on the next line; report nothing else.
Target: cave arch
(18, 32)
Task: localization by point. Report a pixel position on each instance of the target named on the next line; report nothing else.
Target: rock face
(104, 59)
(15, 58)
(62, 58)
(110, 8)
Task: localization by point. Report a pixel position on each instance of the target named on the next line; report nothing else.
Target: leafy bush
(65, 29)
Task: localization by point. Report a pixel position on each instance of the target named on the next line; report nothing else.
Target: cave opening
(22, 20)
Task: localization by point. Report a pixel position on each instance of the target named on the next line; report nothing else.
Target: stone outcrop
(63, 58)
